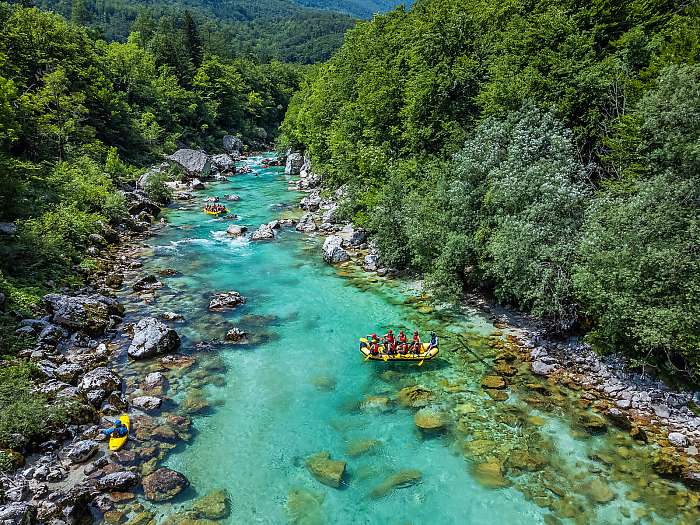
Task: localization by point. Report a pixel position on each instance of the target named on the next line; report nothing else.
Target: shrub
(115, 207)
(156, 188)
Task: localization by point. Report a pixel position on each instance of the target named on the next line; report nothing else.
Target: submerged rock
(415, 396)
(593, 423)
(151, 338)
(399, 480)
(599, 491)
(326, 470)
(213, 506)
(304, 507)
(429, 419)
(490, 474)
(164, 484)
(362, 446)
(493, 382)
(236, 335)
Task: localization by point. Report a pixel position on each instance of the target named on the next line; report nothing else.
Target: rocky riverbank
(81, 357)
(652, 412)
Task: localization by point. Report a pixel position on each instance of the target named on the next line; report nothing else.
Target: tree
(193, 43)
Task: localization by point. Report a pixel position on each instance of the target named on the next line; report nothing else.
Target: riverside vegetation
(544, 151)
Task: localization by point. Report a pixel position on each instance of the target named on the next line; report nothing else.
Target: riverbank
(479, 405)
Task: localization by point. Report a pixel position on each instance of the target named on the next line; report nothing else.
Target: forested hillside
(80, 117)
(359, 8)
(262, 30)
(547, 151)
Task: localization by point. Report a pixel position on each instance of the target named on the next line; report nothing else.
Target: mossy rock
(142, 518)
(414, 396)
(305, 507)
(479, 447)
(114, 517)
(496, 395)
(401, 479)
(430, 420)
(525, 460)
(592, 423)
(490, 475)
(213, 506)
(493, 382)
(186, 518)
(599, 492)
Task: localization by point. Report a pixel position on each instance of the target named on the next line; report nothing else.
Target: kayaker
(416, 345)
(118, 430)
(433, 341)
(403, 342)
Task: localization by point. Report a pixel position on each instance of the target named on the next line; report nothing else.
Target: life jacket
(390, 338)
(402, 338)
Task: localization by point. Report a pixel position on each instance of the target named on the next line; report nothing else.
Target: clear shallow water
(302, 389)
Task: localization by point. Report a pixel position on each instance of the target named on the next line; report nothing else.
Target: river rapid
(529, 453)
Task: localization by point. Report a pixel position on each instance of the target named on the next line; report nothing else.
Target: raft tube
(425, 355)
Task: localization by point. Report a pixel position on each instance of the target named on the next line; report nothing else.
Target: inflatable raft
(115, 443)
(209, 211)
(424, 355)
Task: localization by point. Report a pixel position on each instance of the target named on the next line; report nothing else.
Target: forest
(81, 117)
(546, 152)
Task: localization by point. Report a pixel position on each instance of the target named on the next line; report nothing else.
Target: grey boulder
(333, 252)
(233, 144)
(193, 162)
(90, 313)
(151, 338)
(294, 163)
(83, 450)
(263, 233)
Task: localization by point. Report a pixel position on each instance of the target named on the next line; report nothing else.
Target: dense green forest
(80, 118)
(260, 30)
(359, 8)
(548, 151)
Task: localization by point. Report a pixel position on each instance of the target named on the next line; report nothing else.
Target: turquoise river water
(301, 387)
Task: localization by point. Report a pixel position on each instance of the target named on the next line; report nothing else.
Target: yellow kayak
(115, 443)
(424, 355)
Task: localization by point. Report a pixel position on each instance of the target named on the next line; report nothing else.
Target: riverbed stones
(226, 301)
(213, 506)
(541, 368)
(263, 233)
(493, 382)
(148, 282)
(599, 491)
(333, 252)
(164, 484)
(490, 474)
(415, 396)
(430, 420)
(360, 447)
(224, 163)
(99, 382)
(326, 470)
(152, 338)
(593, 423)
(398, 480)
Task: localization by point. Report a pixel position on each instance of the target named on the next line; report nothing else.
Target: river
(301, 387)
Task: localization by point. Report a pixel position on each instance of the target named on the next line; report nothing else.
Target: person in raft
(390, 342)
(416, 344)
(118, 430)
(373, 344)
(433, 341)
(403, 343)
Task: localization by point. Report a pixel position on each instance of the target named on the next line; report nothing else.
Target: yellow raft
(209, 211)
(115, 443)
(425, 355)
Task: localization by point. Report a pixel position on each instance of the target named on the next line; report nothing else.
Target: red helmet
(374, 336)
(390, 332)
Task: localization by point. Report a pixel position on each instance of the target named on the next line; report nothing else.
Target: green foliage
(156, 188)
(115, 207)
(24, 414)
(545, 151)
(639, 271)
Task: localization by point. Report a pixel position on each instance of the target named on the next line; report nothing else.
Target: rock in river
(213, 506)
(307, 224)
(100, 379)
(152, 337)
(224, 300)
(333, 252)
(147, 403)
(117, 481)
(324, 469)
(263, 233)
(81, 451)
(429, 419)
(164, 484)
(235, 230)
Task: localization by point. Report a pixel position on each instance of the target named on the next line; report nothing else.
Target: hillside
(263, 30)
(544, 152)
(358, 8)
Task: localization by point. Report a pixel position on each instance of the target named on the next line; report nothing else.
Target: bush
(115, 207)
(24, 414)
(157, 190)
(82, 183)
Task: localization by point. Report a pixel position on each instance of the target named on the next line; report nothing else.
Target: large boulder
(142, 182)
(371, 262)
(312, 202)
(193, 162)
(164, 484)
(152, 337)
(225, 300)
(307, 224)
(101, 379)
(294, 164)
(326, 470)
(224, 163)
(117, 481)
(17, 513)
(137, 202)
(233, 144)
(213, 506)
(333, 252)
(263, 233)
(234, 230)
(147, 403)
(83, 450)
(89, 313)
